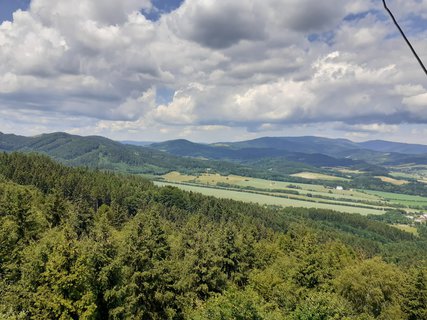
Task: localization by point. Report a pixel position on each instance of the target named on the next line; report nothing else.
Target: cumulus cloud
(106, 12)
(337, 91)
(307, 15)
(245, 65)
(219, 24)
(369, 128)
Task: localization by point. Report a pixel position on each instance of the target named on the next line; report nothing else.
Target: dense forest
(82, 244)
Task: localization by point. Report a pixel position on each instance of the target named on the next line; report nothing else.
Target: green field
(268, 200)
(316, 190)
(400, 199)
(413, 172)
(404, 175)
(295, 194)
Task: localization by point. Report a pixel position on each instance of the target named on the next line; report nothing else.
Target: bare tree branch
(404, 37)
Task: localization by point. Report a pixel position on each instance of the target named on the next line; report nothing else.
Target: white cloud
(107, 12)
(417, 106)
(246, 65)
(369, 128)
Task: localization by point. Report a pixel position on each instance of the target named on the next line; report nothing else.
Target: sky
(213, 70)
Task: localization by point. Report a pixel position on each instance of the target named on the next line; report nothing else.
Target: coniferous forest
(82, 244)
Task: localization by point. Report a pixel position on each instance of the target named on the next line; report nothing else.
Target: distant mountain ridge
(399, 147)
(248, 151)
(312, 144)
(103, 153)
(341, 152)
(137, 143)
(307, 144)
(284, 154)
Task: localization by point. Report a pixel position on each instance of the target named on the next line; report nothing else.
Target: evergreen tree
(145, 290)
(415, 301)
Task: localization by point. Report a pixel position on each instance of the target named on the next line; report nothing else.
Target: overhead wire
(404, 37)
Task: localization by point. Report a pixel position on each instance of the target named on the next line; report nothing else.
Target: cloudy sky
(213, 70)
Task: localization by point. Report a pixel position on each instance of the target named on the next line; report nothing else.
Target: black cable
(404, 37)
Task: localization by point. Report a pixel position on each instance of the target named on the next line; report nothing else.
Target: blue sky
(213, 70)
(7, 7)
(165, 6)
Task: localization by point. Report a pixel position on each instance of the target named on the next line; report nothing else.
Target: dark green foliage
(392, 217)
(239, 305)
(373, 288)
(102, 153)
(415, 302)
(145, 290)
(82, 244)
(322, 306)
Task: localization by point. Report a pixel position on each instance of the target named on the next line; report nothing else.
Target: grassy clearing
(268, 200)
(403, 175)
(405, 227)
(317, 176)
(392, 181)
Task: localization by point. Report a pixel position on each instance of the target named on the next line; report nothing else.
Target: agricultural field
(317, 176)
(403, 175)
(400, 199)
(315, 190)
(411, 172)
(396, 182)
(294, 194)
(268, 199)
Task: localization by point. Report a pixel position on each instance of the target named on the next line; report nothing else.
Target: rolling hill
(265, 158)
(387, 146)
(254, 151)
(103, 153)
(159, 158)
(268, 157)
(315, 151)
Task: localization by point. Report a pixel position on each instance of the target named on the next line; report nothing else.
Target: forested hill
(186, 157)
(81, 244)
(333, 152)
(102, 153)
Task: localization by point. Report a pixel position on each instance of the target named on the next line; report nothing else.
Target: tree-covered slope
(307, 144)
(103, 153)
(178, 155)
(314, 151)
(81, 244)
